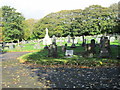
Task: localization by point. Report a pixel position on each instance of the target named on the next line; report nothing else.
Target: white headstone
(69, 52)
(112, 39)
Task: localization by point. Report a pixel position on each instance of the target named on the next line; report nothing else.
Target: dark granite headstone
(73, 44)
(90, 49)
(52, 50)
(84, 43)
(64, 48)
(104, 47)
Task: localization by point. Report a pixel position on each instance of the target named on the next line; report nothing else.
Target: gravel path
(79, 77)
(20, 75)
(16, 75)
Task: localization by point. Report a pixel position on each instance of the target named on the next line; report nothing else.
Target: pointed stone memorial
(47, 40)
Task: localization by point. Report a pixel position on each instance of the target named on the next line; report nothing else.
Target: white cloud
(40, 8)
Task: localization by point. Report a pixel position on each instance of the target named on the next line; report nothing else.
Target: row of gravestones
(75, 40)
(104, 46)
(19, 44)
(90, 51)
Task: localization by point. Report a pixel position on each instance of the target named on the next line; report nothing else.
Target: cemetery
(66, 49)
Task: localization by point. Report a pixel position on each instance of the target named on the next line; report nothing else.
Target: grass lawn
(41, 58)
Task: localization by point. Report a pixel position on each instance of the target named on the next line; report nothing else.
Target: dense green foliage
(12, 24)
(92, 20)
(0, 25)
(28, 29)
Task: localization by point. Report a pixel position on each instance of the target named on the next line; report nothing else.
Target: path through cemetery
(19, 75)
(16, 75)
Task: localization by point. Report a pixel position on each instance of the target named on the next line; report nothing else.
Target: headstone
(90, 49)
(52, 50)
(68, 41)
(49, 50)
(18, 42)
(83, 41)
(112, 39)
(73, 44)
(11, 46)
(75, 41)
(23, 42)
(69, 53)
(54, 39)
(55, 50)
(104, 47)
(64, 48)
(97, 40)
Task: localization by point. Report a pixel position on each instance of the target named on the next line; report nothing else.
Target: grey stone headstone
(54, 39)
(11, 46)
(75, 41)
(68, 41)
(64, 47)
(105, 47)
(52, 50)
(97, 40)
(112, 39)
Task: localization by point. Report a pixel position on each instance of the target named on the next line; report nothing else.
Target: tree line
(92, 20)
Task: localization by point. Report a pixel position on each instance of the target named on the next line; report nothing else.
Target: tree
(28, 28)
(12, 24)
(0, 25)
(93, 20)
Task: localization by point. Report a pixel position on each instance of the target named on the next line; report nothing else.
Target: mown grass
(41, 57)
(30, 46)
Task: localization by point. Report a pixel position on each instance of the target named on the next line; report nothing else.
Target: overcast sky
(39, 8)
